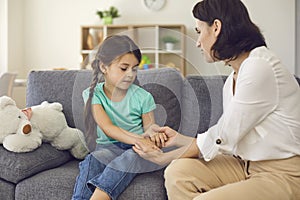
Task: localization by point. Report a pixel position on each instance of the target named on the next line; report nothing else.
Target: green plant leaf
(111, 12)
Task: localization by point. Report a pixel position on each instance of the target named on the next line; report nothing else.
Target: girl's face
(207, 37)
(122, 72)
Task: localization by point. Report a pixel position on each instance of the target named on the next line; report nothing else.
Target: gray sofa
(190, 105)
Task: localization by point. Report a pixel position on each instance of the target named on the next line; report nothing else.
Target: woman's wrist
(183, 140)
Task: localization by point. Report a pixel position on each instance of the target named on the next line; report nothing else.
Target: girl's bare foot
(99, 195)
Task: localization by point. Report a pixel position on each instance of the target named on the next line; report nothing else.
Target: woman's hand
(159, 138)
(188, 149)
(165, 136)
(171, 135)
(174, 138)
(153, 155)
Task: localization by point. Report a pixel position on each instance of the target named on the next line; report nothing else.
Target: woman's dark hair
(111, 49)
(238, 33)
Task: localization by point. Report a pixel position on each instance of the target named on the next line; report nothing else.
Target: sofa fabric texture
(15, 167)
(202, 102)
(190, 105)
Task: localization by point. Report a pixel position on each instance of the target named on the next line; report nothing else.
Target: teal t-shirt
(126, 114)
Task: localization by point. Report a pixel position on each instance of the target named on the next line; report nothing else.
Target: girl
(122, 112)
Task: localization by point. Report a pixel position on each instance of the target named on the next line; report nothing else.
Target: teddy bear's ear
(56, 106)
(45, 103)
(5, 101)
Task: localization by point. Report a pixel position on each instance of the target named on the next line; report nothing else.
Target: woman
(253, 151)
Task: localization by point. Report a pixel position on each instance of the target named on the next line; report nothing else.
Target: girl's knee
(85, 160)
(89, 162)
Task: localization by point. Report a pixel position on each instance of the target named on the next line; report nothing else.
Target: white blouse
(261, 121)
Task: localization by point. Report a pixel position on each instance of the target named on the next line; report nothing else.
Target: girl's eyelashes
(197, 30)
(134, 69)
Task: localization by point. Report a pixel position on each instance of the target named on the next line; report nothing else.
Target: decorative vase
(107, 20)
(92, 39)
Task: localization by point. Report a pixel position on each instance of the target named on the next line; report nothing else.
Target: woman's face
(207, 37)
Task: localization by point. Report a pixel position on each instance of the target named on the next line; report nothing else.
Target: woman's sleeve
(256, 96)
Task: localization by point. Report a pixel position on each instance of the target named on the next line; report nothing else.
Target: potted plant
(170, 41)
(108, 15)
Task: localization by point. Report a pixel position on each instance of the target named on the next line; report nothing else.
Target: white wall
(297, 54)
(51, 28)
(15, 48)
(276, 19)
(16, 37)
(44, 34)
(3, 36)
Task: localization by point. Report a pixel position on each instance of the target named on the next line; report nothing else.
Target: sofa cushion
(165, 84)
(17, 166)
(52, 86)
(202, 103)
(146, 186)
(82, 81)
(56, 183)
(7, 190)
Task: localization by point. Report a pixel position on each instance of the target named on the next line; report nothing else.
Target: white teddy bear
(16, 133)
(24, 130)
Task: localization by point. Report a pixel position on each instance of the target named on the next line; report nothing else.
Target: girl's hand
(159, 139)
(153, 155)
(152, 130)
(147, 144)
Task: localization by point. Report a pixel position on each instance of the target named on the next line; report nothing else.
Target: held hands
(156, 136)
(164, 136)
(172, 136)
(146, 144)
(153, 139)
(151, 154)
(149, 146)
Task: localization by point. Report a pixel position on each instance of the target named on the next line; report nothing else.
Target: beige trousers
(229, 178)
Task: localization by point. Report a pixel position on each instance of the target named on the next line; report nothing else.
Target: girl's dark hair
(111, 49)
(238, 33)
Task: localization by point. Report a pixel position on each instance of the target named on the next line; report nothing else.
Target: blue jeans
(110, 168)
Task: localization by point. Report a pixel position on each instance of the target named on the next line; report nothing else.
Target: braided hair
(111, 49)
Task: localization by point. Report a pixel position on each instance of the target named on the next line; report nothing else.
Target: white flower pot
(169, 46)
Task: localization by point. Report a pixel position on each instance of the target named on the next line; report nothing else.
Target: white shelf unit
(147, 36)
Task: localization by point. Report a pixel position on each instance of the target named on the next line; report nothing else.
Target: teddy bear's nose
(26, 129)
